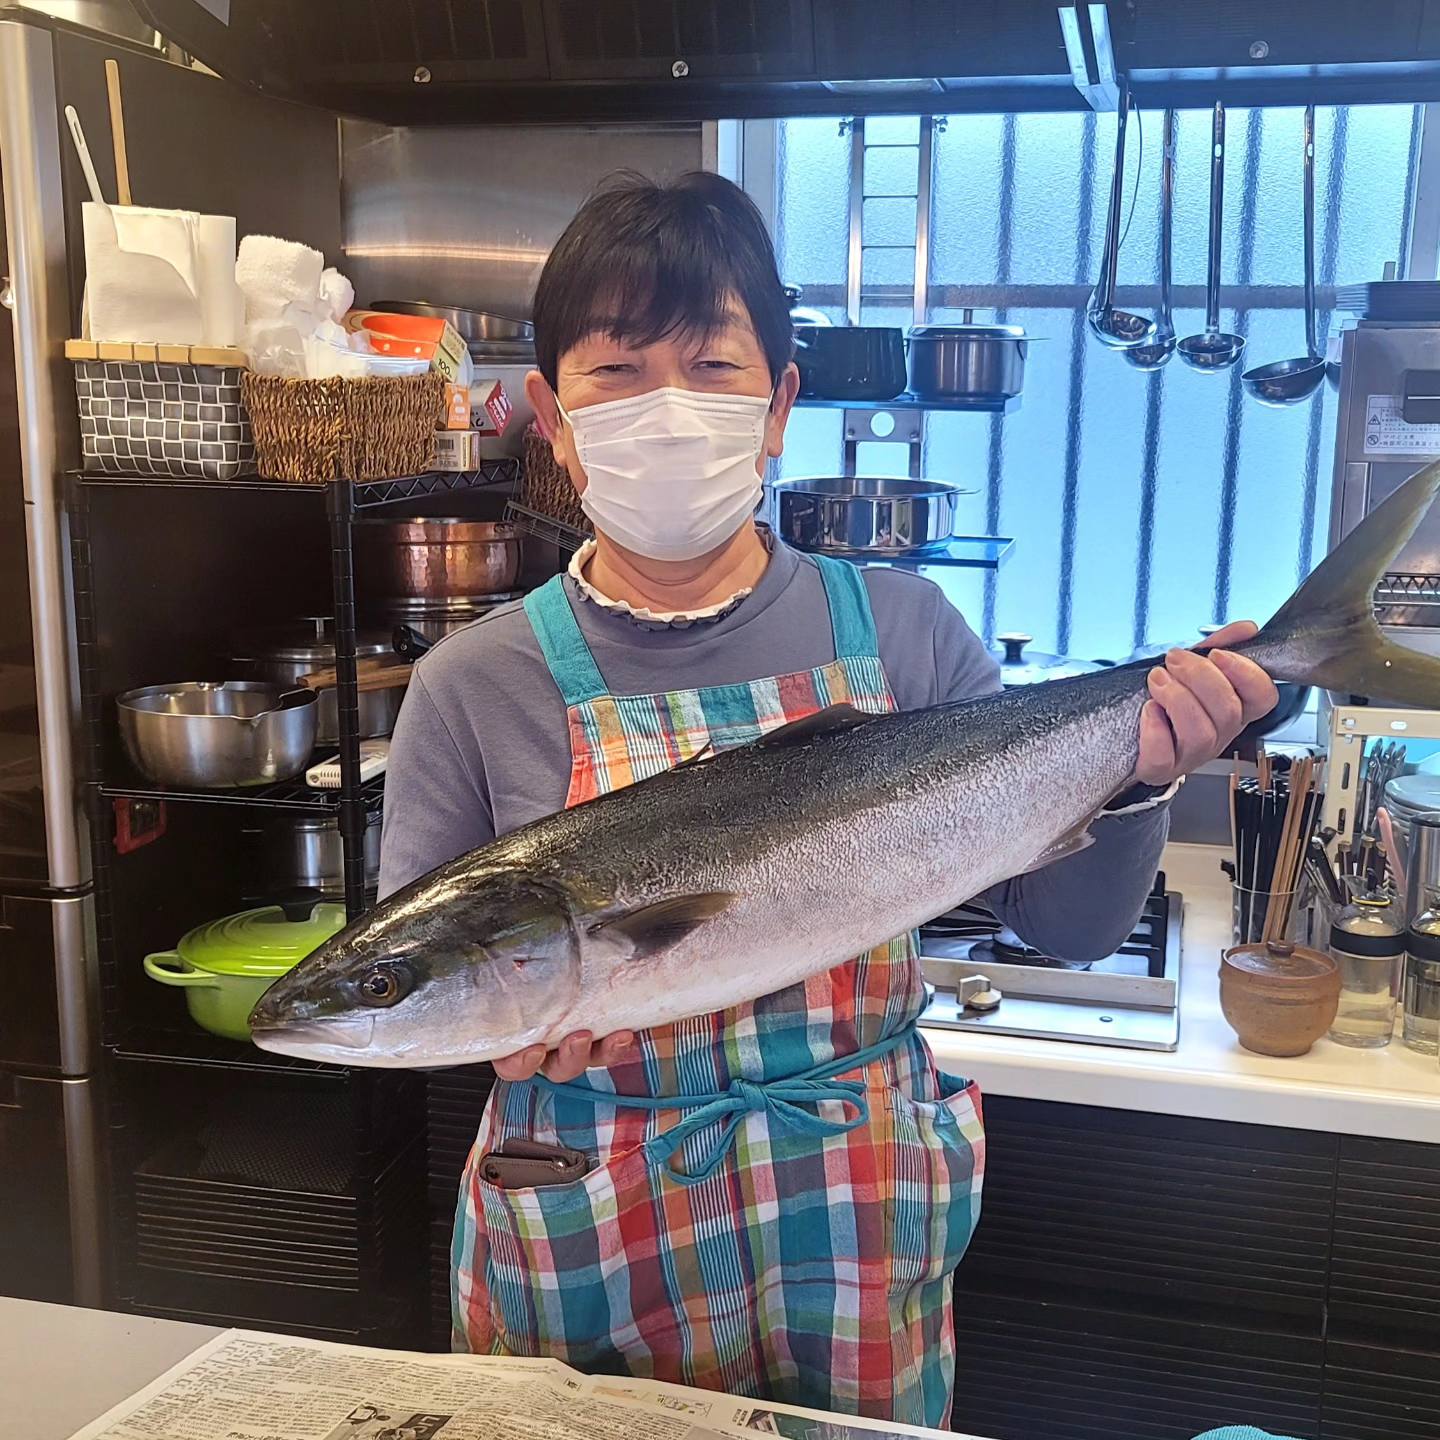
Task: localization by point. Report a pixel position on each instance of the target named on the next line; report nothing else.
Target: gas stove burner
(1005, 947)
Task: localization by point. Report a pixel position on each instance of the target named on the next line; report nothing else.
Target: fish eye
(386, 984)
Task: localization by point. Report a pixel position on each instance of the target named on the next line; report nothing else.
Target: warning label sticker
(1388, 433)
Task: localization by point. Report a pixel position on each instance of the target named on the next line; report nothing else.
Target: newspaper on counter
(249, 1386)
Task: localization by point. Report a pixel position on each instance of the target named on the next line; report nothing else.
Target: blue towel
(1240, 1432)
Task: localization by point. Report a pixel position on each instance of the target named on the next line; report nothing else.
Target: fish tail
(1326, 634)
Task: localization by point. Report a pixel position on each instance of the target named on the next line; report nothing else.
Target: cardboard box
(457, 407)
(457, 450)
(490, 407)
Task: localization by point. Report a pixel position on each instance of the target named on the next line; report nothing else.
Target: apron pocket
(556, 1267)
(936, 1160)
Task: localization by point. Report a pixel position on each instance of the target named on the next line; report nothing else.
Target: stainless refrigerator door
(43, 839)
(48, 984)
(50, 1190)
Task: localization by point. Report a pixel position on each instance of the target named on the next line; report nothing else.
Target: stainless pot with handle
(212, 735)
(285, 653)
(865, 515)
(967, 361)
(304, 852)
(1017, 667)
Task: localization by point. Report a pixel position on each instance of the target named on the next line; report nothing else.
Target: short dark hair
(641, 261)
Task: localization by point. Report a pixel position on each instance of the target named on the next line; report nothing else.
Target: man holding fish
(768, 1197)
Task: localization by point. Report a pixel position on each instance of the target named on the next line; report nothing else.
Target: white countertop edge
(1392, 1093)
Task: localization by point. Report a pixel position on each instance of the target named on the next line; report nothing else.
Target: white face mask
(672, 472)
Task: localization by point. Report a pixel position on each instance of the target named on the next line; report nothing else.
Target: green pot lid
(259, 942)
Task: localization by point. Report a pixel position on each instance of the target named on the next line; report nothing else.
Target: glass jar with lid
(1367, 943)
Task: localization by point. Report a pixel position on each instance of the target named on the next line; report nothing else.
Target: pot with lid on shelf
(967, 361)
(850, 362)
(226, 965)
(433, 620)
(803, 314)
(284, 653)
(1021, 667)
(304, 852)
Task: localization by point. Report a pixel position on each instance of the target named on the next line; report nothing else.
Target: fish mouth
(340, 1034)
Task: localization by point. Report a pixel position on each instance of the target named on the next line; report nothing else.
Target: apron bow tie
(793, 1103)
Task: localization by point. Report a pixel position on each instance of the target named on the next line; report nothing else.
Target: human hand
(575, 1054)
(1198, 704)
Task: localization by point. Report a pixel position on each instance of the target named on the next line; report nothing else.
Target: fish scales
(732, 877)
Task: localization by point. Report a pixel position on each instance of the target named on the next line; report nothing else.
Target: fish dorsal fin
(651, 928)
(705, 752)
(1070, 843)
(831, 720)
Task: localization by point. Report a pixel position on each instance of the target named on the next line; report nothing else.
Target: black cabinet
(1140, 1274)
(1385, 1270)
(47, 1178)
(679, 39)
(909, 39)
(1071, 1372)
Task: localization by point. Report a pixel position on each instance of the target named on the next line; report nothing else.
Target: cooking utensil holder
(142, 417)
(310, 432)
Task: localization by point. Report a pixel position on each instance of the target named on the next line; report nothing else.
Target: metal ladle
(1214, 349)
(1157, 352)
(1117, 329)
(1288, 382)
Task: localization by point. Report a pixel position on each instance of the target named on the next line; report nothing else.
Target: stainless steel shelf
(1406, 589)
(973, 552)
(282, 795)
(505, 470)
(979, 404)
(542, 527)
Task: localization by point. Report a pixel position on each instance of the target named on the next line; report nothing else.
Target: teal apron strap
(851, 619)
(791, 1103)
(572, 666)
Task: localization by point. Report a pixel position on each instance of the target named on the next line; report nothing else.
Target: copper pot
(436, 558)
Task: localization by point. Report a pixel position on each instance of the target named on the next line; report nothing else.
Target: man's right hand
(575, 1054)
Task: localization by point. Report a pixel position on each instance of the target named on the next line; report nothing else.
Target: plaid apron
(783, 1189)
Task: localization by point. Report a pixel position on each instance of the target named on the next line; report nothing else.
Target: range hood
(538, 61)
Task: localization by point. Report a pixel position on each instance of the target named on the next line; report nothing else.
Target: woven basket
(309, 432)
(546, 487)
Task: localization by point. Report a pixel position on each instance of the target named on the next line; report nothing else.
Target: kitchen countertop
(1392, 1093)
(62, 1367)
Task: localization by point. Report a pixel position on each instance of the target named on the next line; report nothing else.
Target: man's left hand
(1198, 704)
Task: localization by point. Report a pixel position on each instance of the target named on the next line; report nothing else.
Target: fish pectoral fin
(650, 928)
(823, 722)
(1071, 843)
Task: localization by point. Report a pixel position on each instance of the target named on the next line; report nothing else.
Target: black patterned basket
(145, 417)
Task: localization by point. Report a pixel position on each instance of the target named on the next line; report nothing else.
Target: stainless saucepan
(213, 735)
(860, 515)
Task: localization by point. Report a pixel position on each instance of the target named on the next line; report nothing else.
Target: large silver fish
(734, 876)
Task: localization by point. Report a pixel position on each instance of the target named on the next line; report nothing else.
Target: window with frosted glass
(1142, 505)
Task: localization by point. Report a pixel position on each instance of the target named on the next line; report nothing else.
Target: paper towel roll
(221, 307)
(140, 275)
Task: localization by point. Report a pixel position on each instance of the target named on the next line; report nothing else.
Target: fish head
(456, 968)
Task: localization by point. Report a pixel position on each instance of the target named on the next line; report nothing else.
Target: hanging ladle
(1157, 351)
(1288, 382)
(1117, 329)
(1214, 349)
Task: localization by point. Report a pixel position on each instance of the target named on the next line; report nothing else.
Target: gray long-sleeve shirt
(482, 745)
